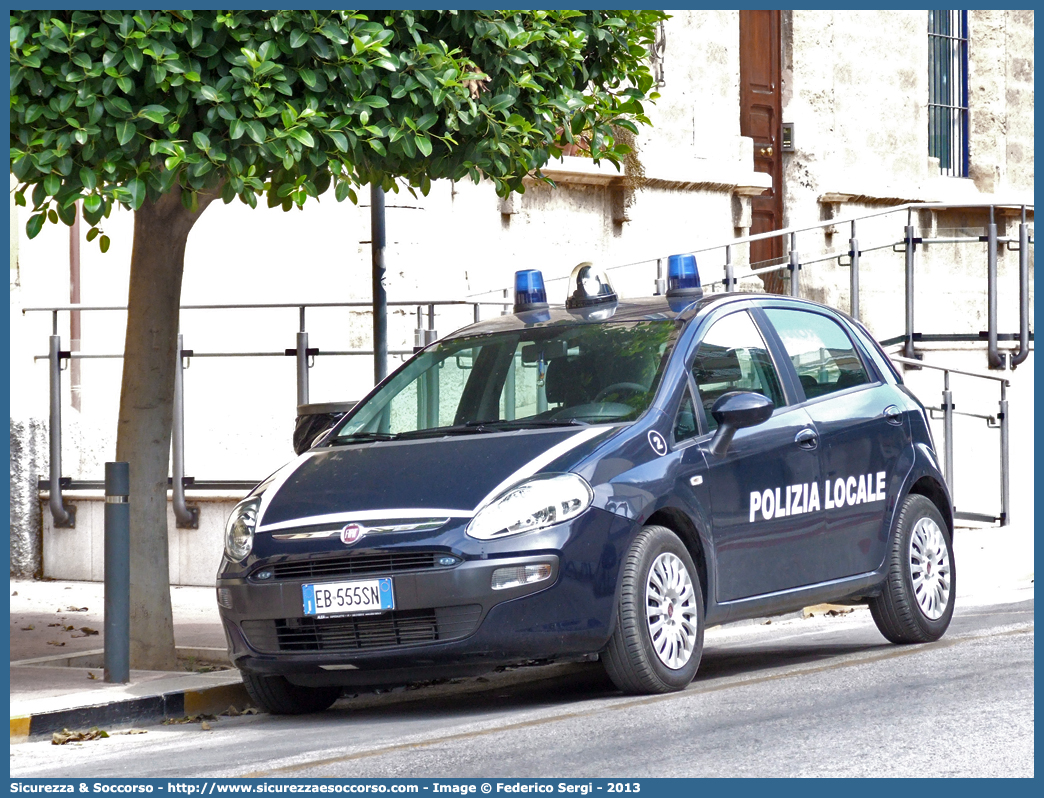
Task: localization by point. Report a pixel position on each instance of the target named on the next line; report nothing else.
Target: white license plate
(346, 598)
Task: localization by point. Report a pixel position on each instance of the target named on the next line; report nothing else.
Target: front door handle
(893, 415)
(807, 439)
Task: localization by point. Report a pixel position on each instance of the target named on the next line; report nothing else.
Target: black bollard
(117, 573)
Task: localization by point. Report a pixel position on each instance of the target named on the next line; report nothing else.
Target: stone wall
(855, 84)
(28, 462)
(1000, 89)
(79, 554)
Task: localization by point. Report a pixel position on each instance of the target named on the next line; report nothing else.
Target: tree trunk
(161, 231)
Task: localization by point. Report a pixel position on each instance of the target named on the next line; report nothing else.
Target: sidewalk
(56, 644)
(57, 657)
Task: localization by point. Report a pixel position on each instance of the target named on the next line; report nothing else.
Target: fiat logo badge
(351, 533)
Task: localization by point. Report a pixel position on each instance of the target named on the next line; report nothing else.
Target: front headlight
(239, 529)
(538, 503)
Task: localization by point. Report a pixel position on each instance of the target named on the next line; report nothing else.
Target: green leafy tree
(165, 112)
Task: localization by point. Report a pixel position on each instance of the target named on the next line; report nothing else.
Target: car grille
(390, 630)
(353, 564)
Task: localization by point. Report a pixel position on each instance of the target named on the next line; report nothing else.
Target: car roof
(681, 309)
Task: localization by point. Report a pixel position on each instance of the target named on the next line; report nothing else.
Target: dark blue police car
(599, 480)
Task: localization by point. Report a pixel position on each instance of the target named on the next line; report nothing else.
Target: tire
(645, 656)
(916, 604)
(277, 696)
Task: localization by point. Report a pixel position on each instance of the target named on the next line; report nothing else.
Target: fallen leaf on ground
(232, 712)
(87, 631)
(827, 610)
(204, 726)
(69, 628)
(28, 628)
(15, 593)
(189, 719)
(66, 736)
(55, 643)
(76, 609)
(54, 624)
(91, 675)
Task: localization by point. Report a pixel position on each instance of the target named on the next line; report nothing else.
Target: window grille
(948, 91)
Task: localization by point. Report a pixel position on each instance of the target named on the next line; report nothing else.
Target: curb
(216, 699)
(147, 709)
(95, 657)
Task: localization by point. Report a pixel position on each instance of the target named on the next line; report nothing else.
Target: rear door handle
(807, 439)
(893, 415)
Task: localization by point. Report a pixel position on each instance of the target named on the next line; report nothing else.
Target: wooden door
(760, 112)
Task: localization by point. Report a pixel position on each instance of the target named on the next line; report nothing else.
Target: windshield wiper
(365, 436)
(524, 423)
(471, 428)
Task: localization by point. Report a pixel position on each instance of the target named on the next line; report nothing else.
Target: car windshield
(542, 376)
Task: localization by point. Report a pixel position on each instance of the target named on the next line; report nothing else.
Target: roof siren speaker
(589, 285)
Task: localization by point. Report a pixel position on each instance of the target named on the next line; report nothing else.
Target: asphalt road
(825, 696)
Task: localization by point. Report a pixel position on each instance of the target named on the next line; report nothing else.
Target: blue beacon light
(529, 291)
(683, 277)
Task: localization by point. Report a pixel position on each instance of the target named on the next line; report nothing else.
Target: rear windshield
(544, 376)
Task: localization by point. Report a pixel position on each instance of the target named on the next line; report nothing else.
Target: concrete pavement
(56, 646)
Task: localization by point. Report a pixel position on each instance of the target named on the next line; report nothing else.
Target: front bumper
(447, 620)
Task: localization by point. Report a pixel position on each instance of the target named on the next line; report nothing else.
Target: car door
(862, 438)
(762, 490)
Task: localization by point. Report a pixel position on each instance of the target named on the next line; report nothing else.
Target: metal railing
(186, 516)
(908, 244)
(1000, 421)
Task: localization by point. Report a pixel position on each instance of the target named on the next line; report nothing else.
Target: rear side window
(823, 355)
(733, 357)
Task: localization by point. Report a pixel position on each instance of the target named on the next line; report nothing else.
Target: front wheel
(658, 640)
(278, 696)
(917, 602)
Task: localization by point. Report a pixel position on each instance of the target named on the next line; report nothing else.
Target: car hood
(449, 476)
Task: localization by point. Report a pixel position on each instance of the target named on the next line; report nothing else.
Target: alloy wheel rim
(670, 602)
(930, 568)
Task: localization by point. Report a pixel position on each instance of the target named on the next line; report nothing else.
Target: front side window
(822, 353)
(733, 357)
(948, 91)
(542, 376)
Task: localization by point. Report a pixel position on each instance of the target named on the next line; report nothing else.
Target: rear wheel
(275, 695)
(917, 602)
(658, 640)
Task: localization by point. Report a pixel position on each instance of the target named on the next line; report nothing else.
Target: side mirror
(737, 410)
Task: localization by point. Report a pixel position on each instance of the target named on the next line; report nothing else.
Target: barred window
(948, 91)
